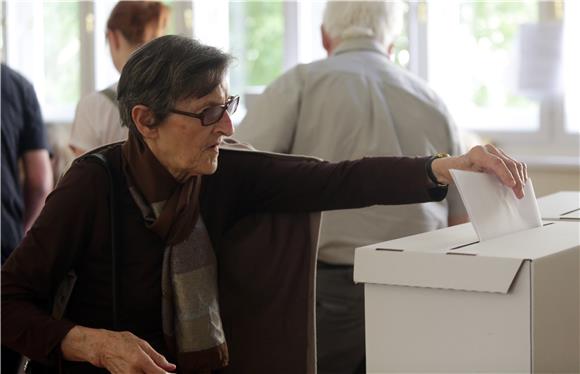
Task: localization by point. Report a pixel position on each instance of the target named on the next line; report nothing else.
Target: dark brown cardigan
(265, 259)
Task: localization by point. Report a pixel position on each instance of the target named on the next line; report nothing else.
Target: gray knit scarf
(190, 311)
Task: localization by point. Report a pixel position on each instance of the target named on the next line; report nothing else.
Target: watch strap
(429, 169)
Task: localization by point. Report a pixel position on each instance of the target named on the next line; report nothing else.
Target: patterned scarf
(190, 312)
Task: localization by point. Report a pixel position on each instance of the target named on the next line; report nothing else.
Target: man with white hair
(355, 103)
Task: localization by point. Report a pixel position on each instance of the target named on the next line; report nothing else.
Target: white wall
(551, 179)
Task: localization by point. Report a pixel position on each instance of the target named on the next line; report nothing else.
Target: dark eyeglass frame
(230, 106)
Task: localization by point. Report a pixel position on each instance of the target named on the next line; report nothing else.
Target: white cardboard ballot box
(443, 302)
(564, 205)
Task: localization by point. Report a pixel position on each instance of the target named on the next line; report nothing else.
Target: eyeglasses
(213, 114)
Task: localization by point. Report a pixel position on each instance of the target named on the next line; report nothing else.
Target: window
(497, 65)
(267, 38)
(256, 34)
(256, 38)
(44, 46)
(472, 63)
(401, 52)
(58, 46)
(106, 74)
(571, 64)
(468, 50)
(302, 38)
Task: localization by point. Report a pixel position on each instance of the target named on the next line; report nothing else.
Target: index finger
(148, 366)
(157, 358)
(506, 169)
(493, 164)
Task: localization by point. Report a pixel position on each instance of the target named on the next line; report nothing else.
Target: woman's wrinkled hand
(118, 352)
(488, 159)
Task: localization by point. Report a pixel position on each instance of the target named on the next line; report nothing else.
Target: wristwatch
(429, 170)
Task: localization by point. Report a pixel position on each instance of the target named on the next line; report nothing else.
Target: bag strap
(65, 288)
(102, 160)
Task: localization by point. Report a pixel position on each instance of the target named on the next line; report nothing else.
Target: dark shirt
(22, 131)
(73, 231)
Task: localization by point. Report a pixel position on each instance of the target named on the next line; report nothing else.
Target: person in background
(130, 25)
(355, 103)
(61, 155)
(180, 198)
(23, 141)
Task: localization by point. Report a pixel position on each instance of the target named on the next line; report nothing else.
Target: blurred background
(504, 68)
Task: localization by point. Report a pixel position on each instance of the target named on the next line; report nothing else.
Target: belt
(326, 265)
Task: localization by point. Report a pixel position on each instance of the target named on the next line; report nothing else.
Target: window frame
(89, 36)
(300, 47)
(551, 133)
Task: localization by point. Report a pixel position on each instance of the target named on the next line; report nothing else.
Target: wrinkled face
(183, 145)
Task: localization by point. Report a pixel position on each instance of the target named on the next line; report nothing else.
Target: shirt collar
(359, 44)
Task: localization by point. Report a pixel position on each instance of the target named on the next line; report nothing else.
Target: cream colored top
(97, 122)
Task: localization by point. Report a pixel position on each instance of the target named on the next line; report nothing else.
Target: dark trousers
(10, 361)
(340, 328)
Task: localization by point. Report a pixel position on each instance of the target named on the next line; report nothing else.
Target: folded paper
(493, 208)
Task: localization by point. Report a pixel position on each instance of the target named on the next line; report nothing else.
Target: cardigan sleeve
(48, 251)
(270, 182)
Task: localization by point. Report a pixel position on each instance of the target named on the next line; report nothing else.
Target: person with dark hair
(183, 291)
(130, 25)
(23, 195)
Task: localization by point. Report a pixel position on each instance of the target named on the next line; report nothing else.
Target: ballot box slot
(572, 211)
(464, 245)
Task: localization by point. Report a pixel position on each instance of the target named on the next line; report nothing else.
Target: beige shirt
(97, 122)
(353, 104)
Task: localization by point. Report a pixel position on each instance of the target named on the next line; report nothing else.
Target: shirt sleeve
(33, 135)
(291, 184)
(32, 273)
(270, 122)
(456, 206)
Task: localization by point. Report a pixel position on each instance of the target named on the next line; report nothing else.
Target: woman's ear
(144, 120)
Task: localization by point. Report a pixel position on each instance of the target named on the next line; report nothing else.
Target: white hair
(380, 20)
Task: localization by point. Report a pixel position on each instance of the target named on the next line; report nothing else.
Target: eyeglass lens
(214, 114)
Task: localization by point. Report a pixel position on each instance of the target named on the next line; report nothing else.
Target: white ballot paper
(493, 208)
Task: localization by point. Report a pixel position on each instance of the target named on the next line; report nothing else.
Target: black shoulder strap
(110, 94)
(66, 286)
(102, 160)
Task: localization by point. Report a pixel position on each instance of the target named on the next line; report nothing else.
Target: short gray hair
(380, 20)
(167, 70)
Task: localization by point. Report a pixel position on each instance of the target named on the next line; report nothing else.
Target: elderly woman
(174, 207)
